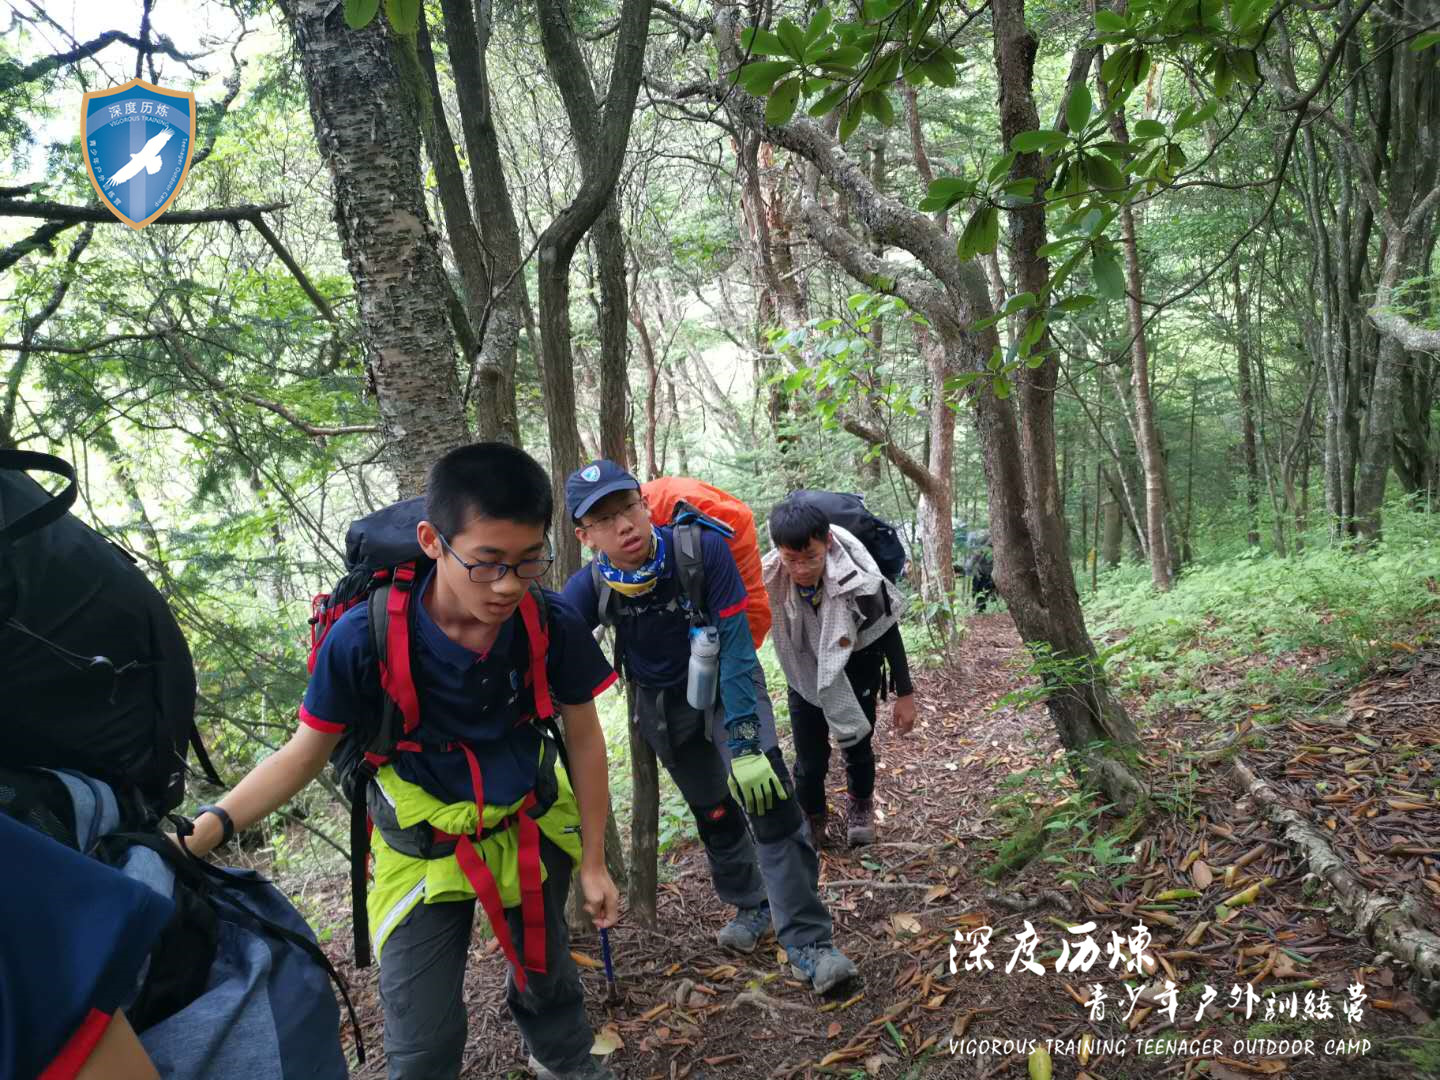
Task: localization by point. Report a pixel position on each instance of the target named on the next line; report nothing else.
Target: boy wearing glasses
(720, 759)
(488, 510)
(837, 623)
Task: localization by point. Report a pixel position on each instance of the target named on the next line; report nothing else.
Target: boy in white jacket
(837, 623)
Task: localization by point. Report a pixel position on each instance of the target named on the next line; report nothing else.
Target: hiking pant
(812, 739)
(422, 978)
(751, 858)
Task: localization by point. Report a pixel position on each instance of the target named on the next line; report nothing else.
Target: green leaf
(877, 104)
(1425, 41)
(759, 78)
(827, 103)
(792, 37)
(1001, 385)
(1077, 109)
(939, 71)
(1103, 174)
(1024, 187)
(851, 120)
(358, 13)
(1045, 142)
(762, 42)
(981, 233)
(1108, 22)
(1034, 331)
(1149, 129)
(885, 72)
(1115, 64)
(1109, 278)
(1018, 302)
(1054, 247)
(819, 23)
(404, 16)
(1001, 167)
(1078, 302)
(1246, 68)
(1224, 74)
(843, 56)
(951, 188)
(781, 105)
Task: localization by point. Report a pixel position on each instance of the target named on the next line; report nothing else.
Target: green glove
(754, 784)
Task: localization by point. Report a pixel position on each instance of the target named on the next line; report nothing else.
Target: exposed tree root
(1385, 922)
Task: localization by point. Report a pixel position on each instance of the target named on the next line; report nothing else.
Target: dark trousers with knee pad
(422, 981)
(767, 856)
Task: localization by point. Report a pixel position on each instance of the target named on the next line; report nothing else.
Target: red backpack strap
(396, 679)
(534, 612)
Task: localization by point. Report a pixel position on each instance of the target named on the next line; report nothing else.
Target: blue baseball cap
(585, 487)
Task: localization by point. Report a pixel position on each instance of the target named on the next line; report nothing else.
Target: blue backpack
(236, 987)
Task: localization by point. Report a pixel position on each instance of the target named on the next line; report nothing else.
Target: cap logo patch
(590, 474)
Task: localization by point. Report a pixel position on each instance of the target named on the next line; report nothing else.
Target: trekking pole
(609, 964)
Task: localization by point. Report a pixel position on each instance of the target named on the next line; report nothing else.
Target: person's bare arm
(270, 785)
(590, 776)
(118, 1055)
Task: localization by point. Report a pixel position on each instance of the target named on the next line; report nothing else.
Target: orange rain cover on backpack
(663, 493)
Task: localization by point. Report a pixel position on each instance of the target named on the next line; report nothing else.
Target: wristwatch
(227, 824)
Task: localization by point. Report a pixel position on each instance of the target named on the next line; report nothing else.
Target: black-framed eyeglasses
(483, 573)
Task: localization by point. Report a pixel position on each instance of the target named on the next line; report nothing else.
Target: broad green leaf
(404, 15)
(1103, 174)
(1109, 277)
(1001, 167)
(877, 104)
(1246, 68)
(951, 187)
(843, 56)
(981, 233)
(1018, 302)
(1223, 73)
(1045, 142)
(939, 71)
(759, 78)
(819, 23)
(792, 37)
(885, 72)
(1001, 385)
(1115, 64)
(1024, 187)
(828, 102)
(1034, 331)
(1245, 14)
(1072, 304)
(762, 42)
(851, 120)
(1108, 22)
(1149, 129)
(781, 105)
(1054, 247)
(1425, 41)
(358, 13)
(1077, 109)
(987, 322)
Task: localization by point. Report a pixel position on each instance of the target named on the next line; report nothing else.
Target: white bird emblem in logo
(147, 158)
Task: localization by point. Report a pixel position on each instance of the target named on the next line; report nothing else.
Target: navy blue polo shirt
(77, 936)
(658, 652)
(464, 696)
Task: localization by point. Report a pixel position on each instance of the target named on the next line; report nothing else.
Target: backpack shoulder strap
(50, 512)
(535, 615)
(602, 596)
(690, 565)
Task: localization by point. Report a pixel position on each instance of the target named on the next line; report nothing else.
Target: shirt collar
(445, 648)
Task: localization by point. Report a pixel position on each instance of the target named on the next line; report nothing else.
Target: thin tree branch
(67, 215)
(285, 257)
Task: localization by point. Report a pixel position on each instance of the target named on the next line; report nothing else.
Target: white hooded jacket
(815, 644)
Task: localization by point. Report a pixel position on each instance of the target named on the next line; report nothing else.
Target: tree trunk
(609, 249)
(369, 135)
(644, 825)
(1247, 408)
(492, 385)
(601, 135)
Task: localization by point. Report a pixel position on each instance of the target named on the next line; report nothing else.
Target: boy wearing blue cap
(722, 757)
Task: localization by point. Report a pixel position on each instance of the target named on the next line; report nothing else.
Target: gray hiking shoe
(860, 822)
(591, 1070)
(747, 929)
(823, 966)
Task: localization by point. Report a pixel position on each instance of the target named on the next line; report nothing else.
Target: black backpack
(97, 674)
(849, 512)
(384, 564)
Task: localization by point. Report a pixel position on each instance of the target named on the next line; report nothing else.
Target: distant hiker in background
(468, 799)
(836, 626)
(677, 601)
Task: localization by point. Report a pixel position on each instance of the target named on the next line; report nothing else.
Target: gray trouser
(422, 977)
(771, 858)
